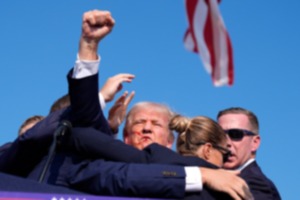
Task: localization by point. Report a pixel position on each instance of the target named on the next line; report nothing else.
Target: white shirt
(246, 164)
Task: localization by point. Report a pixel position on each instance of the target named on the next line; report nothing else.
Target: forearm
(120, 179)
(27, 150)
(85, 107)
(92, 143)
(83, 91)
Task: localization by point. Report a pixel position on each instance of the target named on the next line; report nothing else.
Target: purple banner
(47, 196)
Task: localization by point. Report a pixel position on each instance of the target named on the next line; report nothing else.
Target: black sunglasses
(226, 153)
(238, 134)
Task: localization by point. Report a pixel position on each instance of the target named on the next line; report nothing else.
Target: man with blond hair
(146, 123)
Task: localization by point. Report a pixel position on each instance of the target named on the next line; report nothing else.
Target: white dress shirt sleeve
(102, 101)
(85, 68)
(193, 179)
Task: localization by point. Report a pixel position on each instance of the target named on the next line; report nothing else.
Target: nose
(229, 142)
(147, 129)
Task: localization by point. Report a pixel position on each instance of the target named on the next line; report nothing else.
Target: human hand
(226, 181)
(96, 25)
(114, 85)
(117, 112)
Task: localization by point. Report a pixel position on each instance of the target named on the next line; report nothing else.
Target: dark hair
(60, 103)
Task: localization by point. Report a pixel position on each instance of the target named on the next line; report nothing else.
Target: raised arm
(85, 106)
(28, 149)
(95, 26)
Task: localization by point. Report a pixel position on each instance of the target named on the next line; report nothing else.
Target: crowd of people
(214, 159)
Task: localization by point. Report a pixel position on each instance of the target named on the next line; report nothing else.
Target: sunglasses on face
(238, 134)
(226, 153)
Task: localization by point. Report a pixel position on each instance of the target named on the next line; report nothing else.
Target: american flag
(207, 36)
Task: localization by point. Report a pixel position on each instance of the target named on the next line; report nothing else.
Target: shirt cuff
(193, 179)
(102, 101)
(85, 68)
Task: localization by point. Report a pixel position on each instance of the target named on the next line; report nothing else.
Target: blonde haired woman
(200, 136)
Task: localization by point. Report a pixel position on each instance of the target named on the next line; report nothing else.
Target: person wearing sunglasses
(242, 129)
(200, 136)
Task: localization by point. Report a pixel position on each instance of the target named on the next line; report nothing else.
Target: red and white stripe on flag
(207, 36)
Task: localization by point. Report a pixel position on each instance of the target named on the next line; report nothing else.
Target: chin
(229, 165)
(139, 146)
(145, 144)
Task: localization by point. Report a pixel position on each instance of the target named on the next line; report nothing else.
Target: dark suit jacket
(18, 184)
(27, 150)
(4, 147)
(85, 111)
(26, 157)
(87, 142)
(261, 187)
(99, 176)
(90, 143)
(102, 177)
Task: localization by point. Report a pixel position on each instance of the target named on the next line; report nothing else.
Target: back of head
(28, 123)
(60, 103)
(253, 120)
(194, 131)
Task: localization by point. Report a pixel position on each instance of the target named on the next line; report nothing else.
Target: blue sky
(39, 42)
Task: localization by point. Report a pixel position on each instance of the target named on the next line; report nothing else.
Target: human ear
(206, 149)
(255, 143)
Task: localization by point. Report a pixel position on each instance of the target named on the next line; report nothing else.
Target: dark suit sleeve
(4, 147)
(165, 155)
(85, 106)
(120, 179)
(91, 143)
(14, 184)
(260, 189)
(260, 186)
(27, 150)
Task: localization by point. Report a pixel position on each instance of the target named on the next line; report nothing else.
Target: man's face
(243, 149)
(147, 125)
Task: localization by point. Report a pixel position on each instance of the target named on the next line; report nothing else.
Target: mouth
(145, 138)
(231, 158)
(142, 137)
